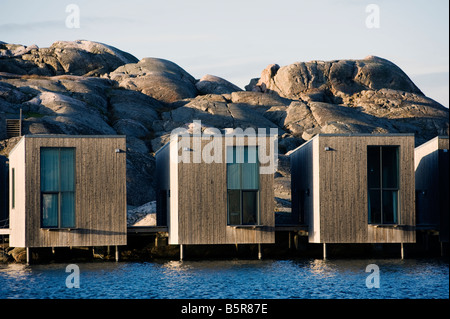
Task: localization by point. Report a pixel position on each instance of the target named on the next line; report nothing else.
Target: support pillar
(402, 251)
(290, 239)
(117, 253)
(181, 253)
(28, 254)
(259, 252)
(324, 251)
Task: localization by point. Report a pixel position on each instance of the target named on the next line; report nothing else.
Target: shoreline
(152, 247)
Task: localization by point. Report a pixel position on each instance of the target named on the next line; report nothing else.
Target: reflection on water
(16, 271)
(322, 268)
(308, 278)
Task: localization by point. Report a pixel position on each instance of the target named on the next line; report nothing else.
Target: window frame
(242, 190)
(381, 189)
(59, 192)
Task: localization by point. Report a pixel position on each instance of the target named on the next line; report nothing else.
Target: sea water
(231, 279)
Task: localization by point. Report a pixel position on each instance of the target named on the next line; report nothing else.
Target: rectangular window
(57, 187)
(243, 185)
(383, 184)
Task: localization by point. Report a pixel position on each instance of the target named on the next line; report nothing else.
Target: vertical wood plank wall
(342, 178)
(162, 176)
(427, 183)
(302, 181)
(444, 180)
(432, 184)
(100, 192)
(202, 205)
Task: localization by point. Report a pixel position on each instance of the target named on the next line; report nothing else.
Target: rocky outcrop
(18, 254)
(303, 79)
(85, 87)
(144, 215)
(371, 95)
(4, 257)
(62, 57)
(158, 78)
(210, 84)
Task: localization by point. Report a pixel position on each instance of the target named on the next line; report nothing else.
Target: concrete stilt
(259, 252)
(117, 253)
(402, 251)
(324, 251)
(290, 239)
(181, 253)
(28, 254)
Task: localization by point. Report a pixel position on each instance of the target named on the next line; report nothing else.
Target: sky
(236, 40)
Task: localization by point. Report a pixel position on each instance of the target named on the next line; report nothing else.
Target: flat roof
(71, 136)
(349, 135)
(224, 135)
(62, 136)
(433, 140)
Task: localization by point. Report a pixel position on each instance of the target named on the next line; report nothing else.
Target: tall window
(243, 185)
(383, 184)
(57, 187)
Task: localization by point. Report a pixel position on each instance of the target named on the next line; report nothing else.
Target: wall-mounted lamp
(118, 150)
(327, 148)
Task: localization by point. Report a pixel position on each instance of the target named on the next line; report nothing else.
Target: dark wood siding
(100, 192)
(162, 176)
(342, 200)
(302, 183)
(444, 208)
(432, 179)
(202, 206)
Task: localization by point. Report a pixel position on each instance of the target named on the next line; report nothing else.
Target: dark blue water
(272, 279)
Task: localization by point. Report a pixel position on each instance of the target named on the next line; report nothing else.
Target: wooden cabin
(68, 191)
(225, 200)
(432, 190)
(355, 188)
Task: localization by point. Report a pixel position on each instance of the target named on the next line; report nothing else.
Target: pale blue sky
(236, 40)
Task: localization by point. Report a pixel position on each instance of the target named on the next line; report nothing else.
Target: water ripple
(267, 279)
